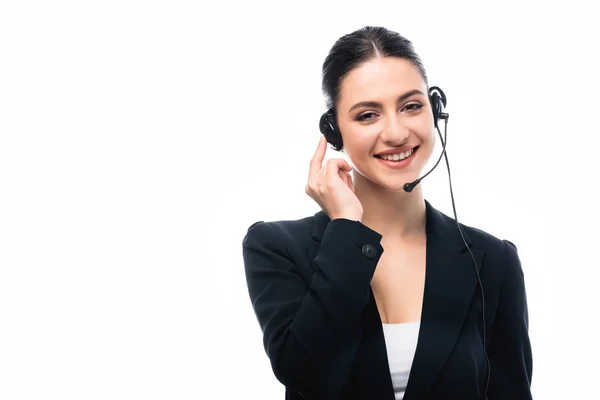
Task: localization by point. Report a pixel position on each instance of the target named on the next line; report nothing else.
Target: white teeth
(399, 156)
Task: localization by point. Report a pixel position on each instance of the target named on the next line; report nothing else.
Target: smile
(400, 160)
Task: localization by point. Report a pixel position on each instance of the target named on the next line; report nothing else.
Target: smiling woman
(374, 296)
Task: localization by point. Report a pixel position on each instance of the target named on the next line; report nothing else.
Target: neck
(391, 212)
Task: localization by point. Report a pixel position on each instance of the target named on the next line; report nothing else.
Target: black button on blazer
(309, 284)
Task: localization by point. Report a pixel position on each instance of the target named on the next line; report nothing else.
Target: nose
(394, 131)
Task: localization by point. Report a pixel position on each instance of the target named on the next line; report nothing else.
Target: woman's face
(384, 105)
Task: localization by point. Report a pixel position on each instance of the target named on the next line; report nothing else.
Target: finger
(316, 162)
(320, 176)
(348, 180)
(332, 170)
(351, 182)
(335, 164)
(344, 177)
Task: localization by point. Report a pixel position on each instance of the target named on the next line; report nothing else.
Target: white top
(401, 343)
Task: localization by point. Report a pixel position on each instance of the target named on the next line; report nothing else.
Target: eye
(413, 107)
(361, 117)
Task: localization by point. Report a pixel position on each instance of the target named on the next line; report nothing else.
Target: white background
(139, 140)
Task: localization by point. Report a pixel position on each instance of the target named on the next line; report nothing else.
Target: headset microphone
(408, 187)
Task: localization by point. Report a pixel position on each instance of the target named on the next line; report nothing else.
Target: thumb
(345, 166)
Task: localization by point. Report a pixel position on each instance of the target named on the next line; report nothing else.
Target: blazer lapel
(450, 283)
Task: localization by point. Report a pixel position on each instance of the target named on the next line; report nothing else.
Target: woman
(376, 296)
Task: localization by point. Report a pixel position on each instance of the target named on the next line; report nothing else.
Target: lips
(398, 164)
(399, 150)
(396, 152)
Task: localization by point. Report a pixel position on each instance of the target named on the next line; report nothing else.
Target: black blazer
(309, 283)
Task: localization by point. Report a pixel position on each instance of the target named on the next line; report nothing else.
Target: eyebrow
(376, 104)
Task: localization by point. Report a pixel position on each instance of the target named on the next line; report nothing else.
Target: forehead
(380, 79)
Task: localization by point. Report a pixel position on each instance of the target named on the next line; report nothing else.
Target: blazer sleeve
(510, 348)
(311, 330)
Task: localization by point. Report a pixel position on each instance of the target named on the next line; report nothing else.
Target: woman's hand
(331, 186)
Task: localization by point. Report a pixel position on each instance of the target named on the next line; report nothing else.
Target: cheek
(425, 132)
(358, 139)
(358, 149)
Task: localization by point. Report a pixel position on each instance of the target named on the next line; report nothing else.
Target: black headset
(328, 127)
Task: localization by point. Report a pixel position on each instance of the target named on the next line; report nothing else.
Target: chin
(396, 183)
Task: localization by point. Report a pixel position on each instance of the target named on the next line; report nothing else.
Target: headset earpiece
(329, 129)
(438, 101)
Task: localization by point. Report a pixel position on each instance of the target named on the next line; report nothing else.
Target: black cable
(487, 381)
